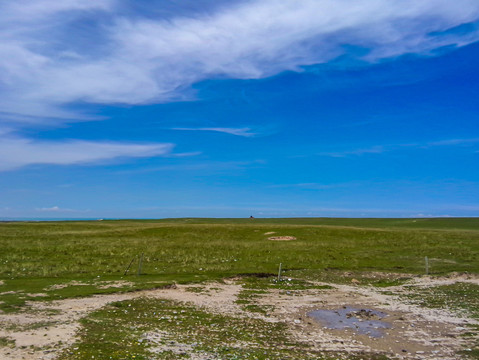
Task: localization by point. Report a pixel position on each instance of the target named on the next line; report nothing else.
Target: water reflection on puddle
(363, 321)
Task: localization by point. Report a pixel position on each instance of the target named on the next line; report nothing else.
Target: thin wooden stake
(140, 264)
(427, 265)
(279, 272)
(129, 265)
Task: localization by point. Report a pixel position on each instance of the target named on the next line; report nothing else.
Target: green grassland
(411, 223)
(36, 255)
(75, 258)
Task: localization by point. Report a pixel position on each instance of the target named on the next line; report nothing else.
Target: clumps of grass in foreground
(254, 287)
(473, 336)
(382, 283)
(338, 276)
(5, 341)
(29, 326)
(148, 328)
(462, 298)
(459, 297)
(17, 293)
(285, 283)
(247, 299)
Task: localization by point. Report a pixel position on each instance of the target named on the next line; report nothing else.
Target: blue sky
(152, 109)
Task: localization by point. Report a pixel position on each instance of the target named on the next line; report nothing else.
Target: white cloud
(182, 155)
(452, 142)
(245, 132)
(34, 10)
(53, 208)
(312, 186)
(356, 152)
(17, 152)
(379, 149)
(57, 209)
(144, 60)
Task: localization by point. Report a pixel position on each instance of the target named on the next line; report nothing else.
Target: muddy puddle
(363, 321)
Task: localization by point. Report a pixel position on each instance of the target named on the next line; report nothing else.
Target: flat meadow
(45, 263)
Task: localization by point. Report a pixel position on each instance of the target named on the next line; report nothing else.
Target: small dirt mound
(282, 238)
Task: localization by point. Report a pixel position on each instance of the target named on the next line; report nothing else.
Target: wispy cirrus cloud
(452, 142)
(16, 152)
(120, 58)
(209, 166)
(53, 208)
(356, 152)
(314, 186)
(245, 132)
(58, 209)
(379, 149)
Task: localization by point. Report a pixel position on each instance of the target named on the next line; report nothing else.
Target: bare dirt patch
(282, 238)
(36, 294)
(98, 284)
(9, 292)
(113, 284)
(428, 281)
(413, 332)
(63, 286)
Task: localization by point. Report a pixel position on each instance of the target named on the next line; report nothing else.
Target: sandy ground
(415, 332)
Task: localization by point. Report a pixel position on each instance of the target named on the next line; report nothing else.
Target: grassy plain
(41, 261)
(34, 256)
